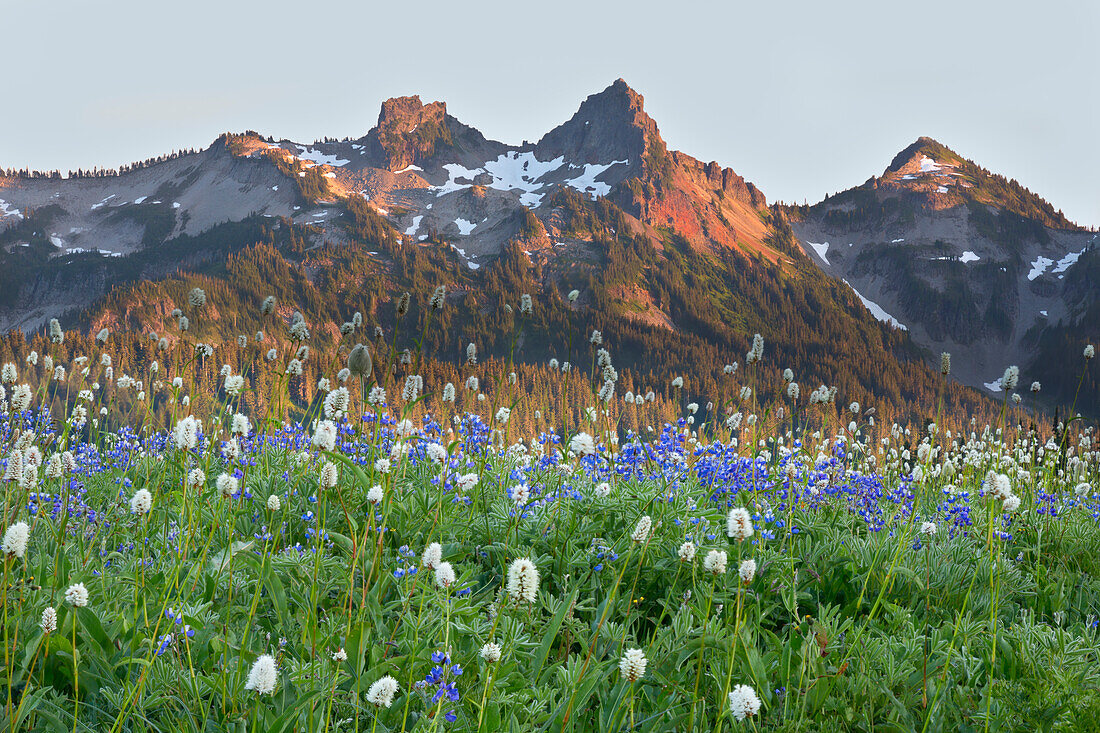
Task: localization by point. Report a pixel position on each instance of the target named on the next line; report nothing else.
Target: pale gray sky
(802, 98)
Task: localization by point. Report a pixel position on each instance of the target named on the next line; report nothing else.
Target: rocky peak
(409, 131)
(923, 147)
(610, 125)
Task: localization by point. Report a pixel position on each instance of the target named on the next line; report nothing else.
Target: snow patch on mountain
(927, 165)
(821, 248)
(1039, 266)
(516, 171)
(6, 210)
(1066, 262)
(521, 171)
(587, 183)
(877, 310)
(316, 156)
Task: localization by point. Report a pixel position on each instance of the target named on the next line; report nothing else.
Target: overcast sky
(802, 98)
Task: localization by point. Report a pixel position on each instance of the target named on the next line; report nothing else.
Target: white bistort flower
(382, 691)
(141, 502)
(445, 575)
(330, 474)
(739, 524)
(743, 702)
(241, 424)
(186, 433)
(715, 562)
(523, 580)
(274, 503)
(582, 444)
(77, 595)
(264, 676)
(520, 494)
(49, 620)
(432, 556)
(747, 570)
(490, 652)
(227, 485)
(15, 539)
(641, 529)
(324, 436)
(632, 665)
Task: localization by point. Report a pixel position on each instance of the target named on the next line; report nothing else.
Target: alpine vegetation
(259, 535)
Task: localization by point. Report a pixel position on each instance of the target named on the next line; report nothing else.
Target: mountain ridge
(599, 193)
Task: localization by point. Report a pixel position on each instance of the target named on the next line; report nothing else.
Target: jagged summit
(609, 125)
(410, 132)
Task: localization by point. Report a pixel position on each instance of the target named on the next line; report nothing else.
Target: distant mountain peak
(923, 147)
(609, 125)
(928, 166)
(409, 130)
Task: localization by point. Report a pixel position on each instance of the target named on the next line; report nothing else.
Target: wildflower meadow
(398, 555)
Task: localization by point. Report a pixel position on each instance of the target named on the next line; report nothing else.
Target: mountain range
(678, 261)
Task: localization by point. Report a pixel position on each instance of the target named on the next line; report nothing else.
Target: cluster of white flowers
(336, 403)
(264, 676)
(491, 652)
(582, 444)
(632, 665)
(382, 692)
(15, 539)
(141, 502)
(445, 575)
(432, 556)
(77, 595)
(747, 570)
(227, 485)
(186, 433)
(715, 562)
(523, 580)
(324, 435)
(330, 475)
(241, 425)
(739, 524)
(743, 702)
(756, 353)
(234, 385)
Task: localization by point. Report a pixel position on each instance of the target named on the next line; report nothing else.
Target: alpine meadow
(420, 431)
